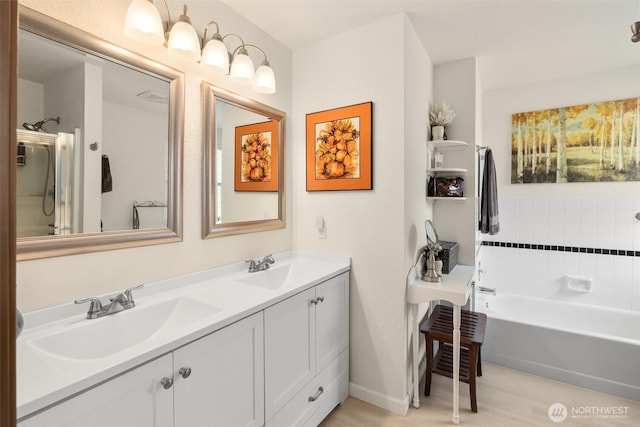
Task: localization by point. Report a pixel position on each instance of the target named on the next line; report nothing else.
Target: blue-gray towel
(489, 222)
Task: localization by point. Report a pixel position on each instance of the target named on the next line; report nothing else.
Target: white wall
(419, 83)
(31, 105)
(137, 151)
(46, 282)
(455, 84)
(376, 228)
(577, 215)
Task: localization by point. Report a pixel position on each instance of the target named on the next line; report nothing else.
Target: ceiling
(516, 41)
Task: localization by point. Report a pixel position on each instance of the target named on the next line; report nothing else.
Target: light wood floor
(505, 398)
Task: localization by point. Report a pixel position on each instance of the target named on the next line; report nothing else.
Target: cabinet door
(332, 319)
(135, 399)
(225, 386)
(289, 349)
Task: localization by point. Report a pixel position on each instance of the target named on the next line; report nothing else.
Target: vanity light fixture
(144, 25)
(184, 42)
(215, 53)
(635, 29)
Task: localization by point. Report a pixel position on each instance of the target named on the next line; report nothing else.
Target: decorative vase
(437, 133)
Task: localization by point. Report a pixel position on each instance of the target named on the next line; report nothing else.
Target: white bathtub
(592, 347)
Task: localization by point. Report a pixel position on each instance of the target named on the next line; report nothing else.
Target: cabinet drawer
(334, 380)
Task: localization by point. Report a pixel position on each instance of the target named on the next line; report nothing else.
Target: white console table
(455, 288)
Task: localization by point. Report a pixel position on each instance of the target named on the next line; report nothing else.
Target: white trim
(398, 406)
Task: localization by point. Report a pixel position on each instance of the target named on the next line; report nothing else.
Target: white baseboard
(398, 406)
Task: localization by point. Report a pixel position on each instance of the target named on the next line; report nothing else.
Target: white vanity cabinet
(136, 399)
(230, 349)
(306, 354)
(217, 380)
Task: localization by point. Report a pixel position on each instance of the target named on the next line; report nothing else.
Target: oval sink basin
(97, 338)
(272, 278)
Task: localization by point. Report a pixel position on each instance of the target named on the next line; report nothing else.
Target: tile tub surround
(542, 239)
(43, 379)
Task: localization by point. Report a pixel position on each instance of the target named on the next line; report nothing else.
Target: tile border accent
(561, 248)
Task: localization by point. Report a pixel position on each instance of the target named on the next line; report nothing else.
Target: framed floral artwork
(256, 157)
(339, 149)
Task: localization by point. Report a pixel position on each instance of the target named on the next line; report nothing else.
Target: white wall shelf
(442, 171)
(447, 198)
(447, 144)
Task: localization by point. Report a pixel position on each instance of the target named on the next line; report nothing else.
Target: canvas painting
(596, 142)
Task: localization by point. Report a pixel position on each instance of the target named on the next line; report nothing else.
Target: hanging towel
(107, 181)
(489, 222)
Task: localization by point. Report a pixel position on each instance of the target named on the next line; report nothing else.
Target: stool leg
(473, 359)
(427, 381)
(480, 360)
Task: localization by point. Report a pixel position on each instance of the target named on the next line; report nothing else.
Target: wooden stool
(439, 327)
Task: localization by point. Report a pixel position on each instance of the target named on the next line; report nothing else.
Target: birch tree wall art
(583, 143)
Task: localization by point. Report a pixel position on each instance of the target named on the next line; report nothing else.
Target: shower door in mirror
(46, 197)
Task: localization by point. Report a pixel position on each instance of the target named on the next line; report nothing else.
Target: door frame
(8, 119)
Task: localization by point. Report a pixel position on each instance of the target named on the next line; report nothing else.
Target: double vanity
(267, 348)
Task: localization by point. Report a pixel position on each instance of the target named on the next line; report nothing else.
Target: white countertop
(44, 378)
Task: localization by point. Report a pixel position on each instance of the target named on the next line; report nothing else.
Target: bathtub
(588, 346)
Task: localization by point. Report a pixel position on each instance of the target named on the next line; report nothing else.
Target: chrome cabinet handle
(320, 299)
(185, 372)
(317, 300)
(166, 383)
(317, 395)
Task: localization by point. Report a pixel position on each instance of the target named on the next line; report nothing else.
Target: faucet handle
(252, 265)
(95, 307)
(129, 296)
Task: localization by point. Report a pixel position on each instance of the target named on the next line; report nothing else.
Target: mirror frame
(51, 246)
(211, 94)
(428, 224)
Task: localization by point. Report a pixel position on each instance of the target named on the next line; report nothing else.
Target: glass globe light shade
(242, 70)
(184, 42)
(215, 55)
(265, 79)
(143, 23)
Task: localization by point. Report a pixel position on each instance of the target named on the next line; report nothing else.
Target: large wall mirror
(243, 190)
(100, 140)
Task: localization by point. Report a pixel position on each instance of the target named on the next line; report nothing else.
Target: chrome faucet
(255, 266)
(483, 290)
(120, 302)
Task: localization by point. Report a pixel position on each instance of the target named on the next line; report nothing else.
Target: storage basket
(448, 255)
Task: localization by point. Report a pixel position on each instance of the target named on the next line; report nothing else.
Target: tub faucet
(255, 266)
(120, 302)
(483, 290)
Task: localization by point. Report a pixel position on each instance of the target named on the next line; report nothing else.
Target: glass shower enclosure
(47, 192)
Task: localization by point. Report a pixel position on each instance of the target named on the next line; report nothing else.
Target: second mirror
(244, 164)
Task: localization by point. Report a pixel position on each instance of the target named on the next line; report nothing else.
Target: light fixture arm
(265, 61)
(635, 30)
(241, 41)
(166, 24)
(215, 36)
